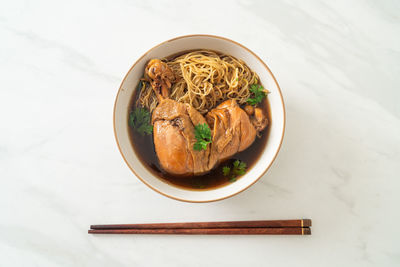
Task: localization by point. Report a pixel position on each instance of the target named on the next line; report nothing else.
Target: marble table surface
(61, 63)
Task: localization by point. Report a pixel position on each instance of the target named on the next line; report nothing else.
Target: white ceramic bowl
(189, 42)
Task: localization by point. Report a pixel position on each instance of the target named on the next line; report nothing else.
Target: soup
(202, 128)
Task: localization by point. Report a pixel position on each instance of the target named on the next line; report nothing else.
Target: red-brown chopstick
(209, 231)
(201, 225)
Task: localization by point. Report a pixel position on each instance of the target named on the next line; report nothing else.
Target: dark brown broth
(144, 149)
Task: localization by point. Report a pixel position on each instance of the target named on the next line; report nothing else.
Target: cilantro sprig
(202, 133)
(238, 168)
(226, 170)
(258, 94)
(139, 120)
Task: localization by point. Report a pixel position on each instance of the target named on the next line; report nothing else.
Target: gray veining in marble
(61, 64)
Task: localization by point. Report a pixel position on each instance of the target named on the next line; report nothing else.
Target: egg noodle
(203, 80)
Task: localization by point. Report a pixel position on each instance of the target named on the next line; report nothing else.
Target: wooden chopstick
(209, 231)
(201, 225)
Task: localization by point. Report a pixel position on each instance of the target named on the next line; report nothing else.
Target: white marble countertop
(61, 63)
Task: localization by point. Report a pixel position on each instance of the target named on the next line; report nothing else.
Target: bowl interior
(188, 43)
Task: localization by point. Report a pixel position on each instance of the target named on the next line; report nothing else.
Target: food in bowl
(199, 119)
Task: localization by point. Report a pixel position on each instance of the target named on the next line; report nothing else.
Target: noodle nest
(204, 79)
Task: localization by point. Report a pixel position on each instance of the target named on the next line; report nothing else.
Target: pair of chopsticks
(276, 227)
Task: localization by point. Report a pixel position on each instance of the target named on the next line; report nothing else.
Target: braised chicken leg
(233, 130)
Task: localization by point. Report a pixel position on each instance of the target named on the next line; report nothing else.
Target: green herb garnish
(202, 133)
(239, 168)
(226, 170)
(258, 92)
(139, 120)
